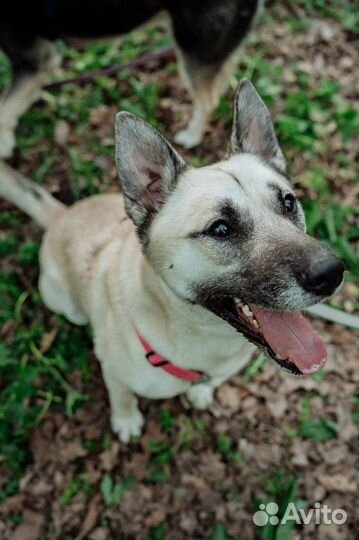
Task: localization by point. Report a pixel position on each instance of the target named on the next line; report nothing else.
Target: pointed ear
(147, 165)
(253, 130)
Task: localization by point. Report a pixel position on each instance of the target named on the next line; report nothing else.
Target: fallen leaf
(338, 482)
(93, 512)
(12, 505)
(31, 527)
(99, 534)
(61, 132)
(278, 406)
(108, 458)
(229, 397)
(47, 340)
(157, 516)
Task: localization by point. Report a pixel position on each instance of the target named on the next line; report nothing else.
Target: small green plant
(355, 409)
(335, 224)
(168, 421)
(254, 367)
(79, 483)
(191, 431)
(318, 429)
(112, 492)
(161, 459)
(8, 244)
(159, 532)
(224, 444)
(220, 532)
(28, 253)
(281, 490)
(225, 447)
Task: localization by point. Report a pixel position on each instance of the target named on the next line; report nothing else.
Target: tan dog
(182, 262)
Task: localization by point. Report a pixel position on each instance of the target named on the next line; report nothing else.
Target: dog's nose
(323, 277)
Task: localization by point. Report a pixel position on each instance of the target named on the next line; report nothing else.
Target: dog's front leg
(201, 395)
(126, 418)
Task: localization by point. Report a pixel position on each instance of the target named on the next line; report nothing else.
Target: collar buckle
(203, 379)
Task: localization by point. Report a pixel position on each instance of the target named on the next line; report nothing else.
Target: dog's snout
(323, 276)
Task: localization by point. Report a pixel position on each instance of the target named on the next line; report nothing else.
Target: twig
(334, 315)
(105, 72)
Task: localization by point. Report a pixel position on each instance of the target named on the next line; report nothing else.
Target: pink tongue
(290, 336)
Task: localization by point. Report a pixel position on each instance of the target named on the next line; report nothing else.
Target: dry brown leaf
(100, 115)
(108, 458)
(61, 132)
(299, 451)
(31, 527)
(338, 482)
(72, 450)
(94, 510)
(194, 481)
(229, 397)
(47, 340)
(12, 505)
(277, 406)
(99, 534)
(7, 328)
(157, 516)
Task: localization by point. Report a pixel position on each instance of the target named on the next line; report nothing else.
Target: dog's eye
(220, 229)
(289, 202)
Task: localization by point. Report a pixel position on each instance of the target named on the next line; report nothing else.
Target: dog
(207, 35)
(188, 270)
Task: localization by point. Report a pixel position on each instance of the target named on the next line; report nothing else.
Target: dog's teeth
(247, 312)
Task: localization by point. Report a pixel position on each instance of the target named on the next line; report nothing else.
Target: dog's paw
(7, 142)
(201, 396)
(127, 426)
(188, 138)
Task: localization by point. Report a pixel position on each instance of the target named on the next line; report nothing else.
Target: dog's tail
(30, 197)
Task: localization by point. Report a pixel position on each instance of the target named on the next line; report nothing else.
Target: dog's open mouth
(286, 336)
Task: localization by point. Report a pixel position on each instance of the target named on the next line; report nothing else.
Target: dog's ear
(253, 130)
(147, 165)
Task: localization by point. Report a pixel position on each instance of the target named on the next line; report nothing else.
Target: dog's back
(91, 18)
(52, 19)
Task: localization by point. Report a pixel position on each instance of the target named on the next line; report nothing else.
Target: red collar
(156, 360)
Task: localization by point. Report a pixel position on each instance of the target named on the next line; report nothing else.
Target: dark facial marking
(263, 278)
(239, 221)
(280, 203)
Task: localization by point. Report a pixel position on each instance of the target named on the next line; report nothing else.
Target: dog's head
(231, 236)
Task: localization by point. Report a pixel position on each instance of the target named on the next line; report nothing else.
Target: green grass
(31, 382)
(317, 429)
(79, 483)
(345, 12)
(282, 490)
